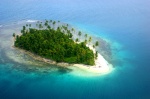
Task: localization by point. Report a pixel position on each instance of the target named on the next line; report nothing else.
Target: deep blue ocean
(124, 23)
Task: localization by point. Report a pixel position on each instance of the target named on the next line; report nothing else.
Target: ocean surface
(125, 24)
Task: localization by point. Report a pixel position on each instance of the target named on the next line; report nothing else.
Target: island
(54, 43)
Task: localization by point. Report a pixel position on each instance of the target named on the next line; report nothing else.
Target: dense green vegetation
(55, 43)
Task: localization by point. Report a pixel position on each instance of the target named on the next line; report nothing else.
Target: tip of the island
(101, 66)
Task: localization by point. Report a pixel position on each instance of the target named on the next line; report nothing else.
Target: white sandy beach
(101, 65)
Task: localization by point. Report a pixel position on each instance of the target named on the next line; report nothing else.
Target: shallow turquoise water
(124, 23)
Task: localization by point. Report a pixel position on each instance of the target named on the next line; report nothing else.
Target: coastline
(101, 65)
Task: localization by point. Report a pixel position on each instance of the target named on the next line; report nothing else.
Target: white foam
(31, 21)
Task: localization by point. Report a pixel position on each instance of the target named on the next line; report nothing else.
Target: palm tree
(77, 39)
(46, 21)
(65, 28)
(96, 54)
(90, 39)
(29, 25)
(14, 35)
(50, 21)
(58, 28)
(68, 32)
(40, 26)
(49, 27)
(85, 35)
(70, 35)
(72, 29)
(67, 25)
(79, 33)
(85, 41)
(24, 28)
(46, 24)
(54, 24)
(36, 25)
(96, 43)
(93, 46)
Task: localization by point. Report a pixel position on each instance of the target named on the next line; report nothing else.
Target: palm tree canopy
(90, 39)
(77, 39)
(96, 43)
(79, 33)
(85, 35)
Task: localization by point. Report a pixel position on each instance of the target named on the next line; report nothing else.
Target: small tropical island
(53, 43)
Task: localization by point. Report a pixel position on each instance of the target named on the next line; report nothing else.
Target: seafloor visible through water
(124, 24)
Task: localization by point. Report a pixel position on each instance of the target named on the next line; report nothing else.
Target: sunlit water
(124, 24)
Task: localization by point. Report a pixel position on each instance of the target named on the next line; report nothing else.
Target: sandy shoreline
(101, 65)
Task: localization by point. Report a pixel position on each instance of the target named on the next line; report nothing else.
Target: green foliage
(54, 45)
(96, 43)
(90, 39)
(14, 34)
(96, 54)
(24, 28)
(77, 39)
(86, 36)
(85, 41)
(93, 46)
(79, 33)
